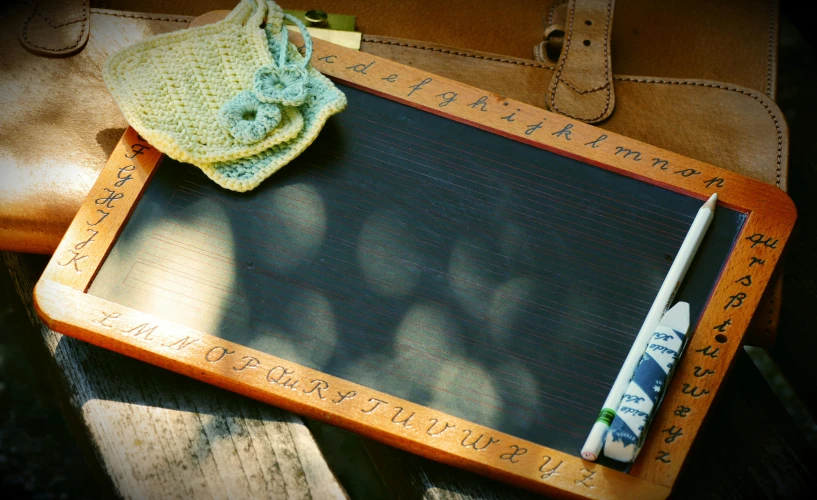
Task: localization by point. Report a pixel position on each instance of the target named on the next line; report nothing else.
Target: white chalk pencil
(592, 447)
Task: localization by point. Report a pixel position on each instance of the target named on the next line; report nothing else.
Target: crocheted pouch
(234, 98)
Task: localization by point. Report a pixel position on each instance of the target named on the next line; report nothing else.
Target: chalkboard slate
(426, 259)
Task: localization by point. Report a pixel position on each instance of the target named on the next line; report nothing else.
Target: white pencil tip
(711, 202)
(595, 440)
(677, 317)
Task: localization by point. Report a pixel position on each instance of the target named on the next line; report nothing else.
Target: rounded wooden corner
(781, 203)
(44, 306)
(61, 303)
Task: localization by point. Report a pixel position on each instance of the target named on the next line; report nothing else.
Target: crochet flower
(247, 119)
(285, 84)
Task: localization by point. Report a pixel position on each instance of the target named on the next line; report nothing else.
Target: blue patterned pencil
(644, 393)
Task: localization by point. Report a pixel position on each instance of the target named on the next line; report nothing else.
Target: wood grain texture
(543, 129)
(277, 381)
(769, 457)
(159, 435)
(741, 285)
(104, 211)
(200, 355)
(710, 352)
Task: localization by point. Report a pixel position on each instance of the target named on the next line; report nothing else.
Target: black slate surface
(426, 259)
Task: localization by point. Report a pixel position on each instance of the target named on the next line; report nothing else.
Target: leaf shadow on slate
(426, 259)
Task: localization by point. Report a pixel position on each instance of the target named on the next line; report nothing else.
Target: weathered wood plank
(748, 448)
(158, 434)
(771, 214)
(188, 429)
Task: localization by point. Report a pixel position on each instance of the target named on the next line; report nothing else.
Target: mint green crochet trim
(285, 85)
(323, 98)
(248, 119)
(233, 99)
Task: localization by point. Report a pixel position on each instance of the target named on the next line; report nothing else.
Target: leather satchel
(695, 77)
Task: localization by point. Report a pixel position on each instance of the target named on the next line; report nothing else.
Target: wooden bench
(153, 433)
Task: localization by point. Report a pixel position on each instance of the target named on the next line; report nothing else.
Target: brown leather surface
(725, 40)
(56, 137)
(554, 20)
(503, 27)
(726, 125)
(45, 180)
(58, 126)
(721, 124)
(56, 27)
(731, 41)
(582, 86)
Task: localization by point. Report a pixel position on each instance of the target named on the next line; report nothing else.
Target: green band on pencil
(606, 416)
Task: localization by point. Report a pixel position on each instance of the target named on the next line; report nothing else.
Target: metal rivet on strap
(316, 17)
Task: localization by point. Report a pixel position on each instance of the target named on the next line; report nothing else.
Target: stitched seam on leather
(564, 60)
(588, 91)
(142, 16)
(772, 16)
(547, 22)
(553, 11)
(538, 52)
(724, 87)
(475, 56)
(457, 53)
(77, 42)
(55, 26)
(625, 79)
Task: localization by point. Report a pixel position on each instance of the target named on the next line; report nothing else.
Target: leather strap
(554, 19)
(56, 27)
(582, 87)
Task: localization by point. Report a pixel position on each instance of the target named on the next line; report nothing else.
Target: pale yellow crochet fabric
(216, 97)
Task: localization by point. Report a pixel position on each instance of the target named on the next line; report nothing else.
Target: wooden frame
(62, 301)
